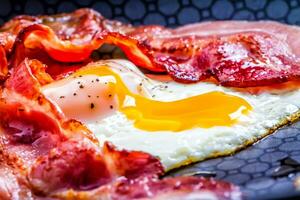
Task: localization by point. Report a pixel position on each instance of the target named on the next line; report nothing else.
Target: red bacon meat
(238, 54)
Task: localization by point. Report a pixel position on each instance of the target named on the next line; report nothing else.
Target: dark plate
(254, 169)
(251, 168)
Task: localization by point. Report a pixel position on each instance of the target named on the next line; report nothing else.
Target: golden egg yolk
(204, 110)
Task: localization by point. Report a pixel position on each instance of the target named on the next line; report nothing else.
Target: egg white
(174, 149)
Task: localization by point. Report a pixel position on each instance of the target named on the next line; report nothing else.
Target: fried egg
(178, 123)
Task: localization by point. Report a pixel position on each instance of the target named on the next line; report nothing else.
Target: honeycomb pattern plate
(251, 168)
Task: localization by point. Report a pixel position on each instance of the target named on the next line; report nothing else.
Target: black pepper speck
(92, 105)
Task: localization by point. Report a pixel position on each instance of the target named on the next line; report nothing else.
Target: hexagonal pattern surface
(165, 12)
(251, 168)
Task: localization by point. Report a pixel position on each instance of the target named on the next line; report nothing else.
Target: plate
(265, 170)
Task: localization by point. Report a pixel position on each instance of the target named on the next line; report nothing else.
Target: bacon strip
(81, 169)
(3, 64)
(65, 51)
(6, 43)
(235, 57)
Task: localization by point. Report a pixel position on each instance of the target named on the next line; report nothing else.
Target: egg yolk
(204, 110)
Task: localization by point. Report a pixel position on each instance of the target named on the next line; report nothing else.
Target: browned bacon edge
(45, 155)
(252, 57)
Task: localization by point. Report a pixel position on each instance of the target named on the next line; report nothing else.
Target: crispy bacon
(178, 188)
(77, 166)
(28, 119)
(174, 188)
(3, 64)
(131, 164)
(6, 43)
(72, 165)
(27, 78)
(38, 35)
(30, 126)
(249, 59)
(239, 54)
(8, 33)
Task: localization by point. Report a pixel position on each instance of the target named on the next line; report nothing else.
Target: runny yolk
(204, 110)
